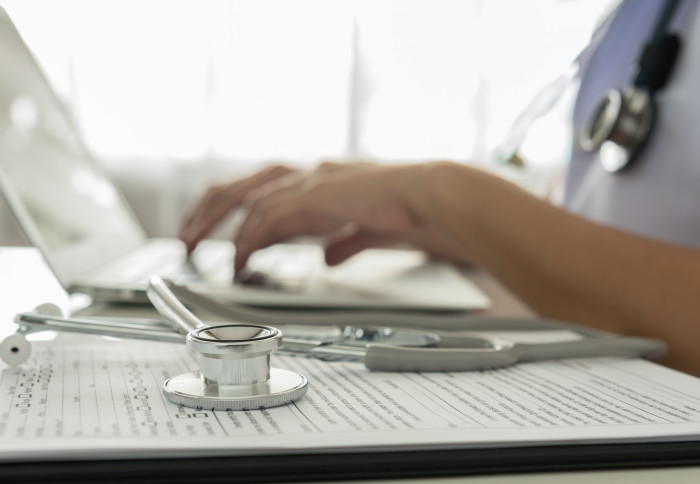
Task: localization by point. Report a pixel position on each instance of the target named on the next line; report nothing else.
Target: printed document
(103, 397)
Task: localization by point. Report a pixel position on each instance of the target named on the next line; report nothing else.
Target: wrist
(454, 192)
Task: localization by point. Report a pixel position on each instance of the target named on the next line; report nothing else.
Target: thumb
(340, 250)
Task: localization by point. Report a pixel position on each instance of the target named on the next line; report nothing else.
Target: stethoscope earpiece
(49, 309)
(15, 349)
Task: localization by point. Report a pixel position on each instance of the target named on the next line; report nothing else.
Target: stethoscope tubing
(395, 358)
(151, 331)
(491, 353)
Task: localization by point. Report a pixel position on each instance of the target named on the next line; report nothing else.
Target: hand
(220, 199)
(354, 205)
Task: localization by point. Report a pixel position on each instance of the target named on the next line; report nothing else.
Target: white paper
(95, 395)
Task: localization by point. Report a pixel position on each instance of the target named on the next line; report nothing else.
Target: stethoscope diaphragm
(619, 128)
(235, 373)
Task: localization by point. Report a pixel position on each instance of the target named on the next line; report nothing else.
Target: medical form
(104, 397)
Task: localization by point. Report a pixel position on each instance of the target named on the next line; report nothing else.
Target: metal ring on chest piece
(235, 371)
(620, 126)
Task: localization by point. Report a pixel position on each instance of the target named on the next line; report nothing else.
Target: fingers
(220, 199)
(275, 215)
(339, 250)
(323, 201)
(212, 207)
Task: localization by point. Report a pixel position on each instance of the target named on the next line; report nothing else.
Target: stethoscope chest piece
(235, 373)
(620, 127)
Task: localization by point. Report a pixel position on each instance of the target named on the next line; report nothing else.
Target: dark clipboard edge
(355, 466)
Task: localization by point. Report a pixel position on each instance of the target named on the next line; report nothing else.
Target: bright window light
(301, 79)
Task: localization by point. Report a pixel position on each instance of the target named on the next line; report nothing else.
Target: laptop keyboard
(284, 267)
(151, 259)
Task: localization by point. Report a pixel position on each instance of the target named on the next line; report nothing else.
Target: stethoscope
(234, 358)
(623, 121)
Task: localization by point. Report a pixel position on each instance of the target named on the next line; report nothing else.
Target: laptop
(74, 214)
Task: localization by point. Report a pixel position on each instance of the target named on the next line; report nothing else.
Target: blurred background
(170, 95)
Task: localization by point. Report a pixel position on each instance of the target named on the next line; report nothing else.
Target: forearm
(566, 267)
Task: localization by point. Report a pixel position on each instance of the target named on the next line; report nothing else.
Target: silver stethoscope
(234, 358)
(623, 121)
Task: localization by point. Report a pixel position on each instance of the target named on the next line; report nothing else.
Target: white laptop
(71, 211)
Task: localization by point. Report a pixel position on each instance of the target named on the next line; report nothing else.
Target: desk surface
(25, 282)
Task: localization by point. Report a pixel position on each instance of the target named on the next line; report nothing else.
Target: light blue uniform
(659, 196)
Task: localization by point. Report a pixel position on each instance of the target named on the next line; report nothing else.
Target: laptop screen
(64, 202)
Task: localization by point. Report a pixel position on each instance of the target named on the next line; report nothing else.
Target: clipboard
(325, 454)
(376, 464)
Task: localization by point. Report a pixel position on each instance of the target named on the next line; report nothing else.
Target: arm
(561, 265)
(566, 267)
